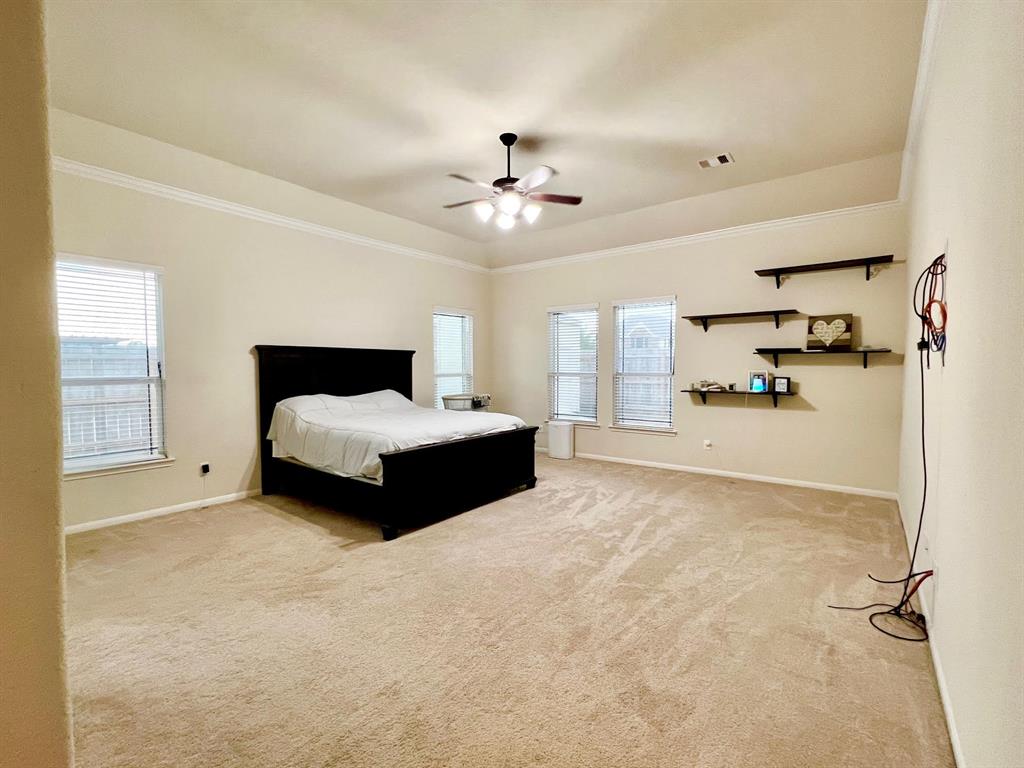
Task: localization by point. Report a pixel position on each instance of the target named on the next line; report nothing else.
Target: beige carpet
(613, 616)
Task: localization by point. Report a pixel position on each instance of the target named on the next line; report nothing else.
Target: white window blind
(644, 363)
(111, 354)
(572, 364)
(453, 355)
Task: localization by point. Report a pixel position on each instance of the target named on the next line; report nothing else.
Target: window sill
(118, 469)
(644, 430)
(584, 424)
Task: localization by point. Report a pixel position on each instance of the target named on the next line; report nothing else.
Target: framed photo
(757, 381)
(780, 384)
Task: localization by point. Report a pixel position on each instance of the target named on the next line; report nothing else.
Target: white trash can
(561, 442)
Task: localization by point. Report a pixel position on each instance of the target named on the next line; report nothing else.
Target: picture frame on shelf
(757, 381)
(781, 385)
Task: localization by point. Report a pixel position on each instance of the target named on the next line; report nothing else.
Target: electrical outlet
(204, 469)
(707, 445)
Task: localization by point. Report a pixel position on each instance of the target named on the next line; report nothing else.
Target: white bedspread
(346, 435)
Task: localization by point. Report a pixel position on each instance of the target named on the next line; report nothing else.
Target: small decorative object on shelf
(732, 387)
(708, 385)
(780, 385)
(834, 332)
(757, 381)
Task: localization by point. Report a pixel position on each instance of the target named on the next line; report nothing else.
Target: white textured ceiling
(375, 102)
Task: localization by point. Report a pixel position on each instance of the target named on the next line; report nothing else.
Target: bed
(416, 485)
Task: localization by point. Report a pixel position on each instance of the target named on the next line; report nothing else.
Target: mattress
(346, 435)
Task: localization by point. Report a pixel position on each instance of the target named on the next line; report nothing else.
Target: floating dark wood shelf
(824, 266)
(705, 392)
(774, 352)
(776, 313)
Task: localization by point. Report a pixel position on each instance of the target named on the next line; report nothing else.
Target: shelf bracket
(704, 322)
(867, 276)
(776, 316)
(865, 359)
(775, 400)
(778, 280)
(704, 397)
(775, 359)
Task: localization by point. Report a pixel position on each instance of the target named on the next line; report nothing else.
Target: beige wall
(34, 719)
(967, 199)
(842, 429)
(230, 283)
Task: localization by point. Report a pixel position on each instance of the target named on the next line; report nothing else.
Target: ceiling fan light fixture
(530, 212)
(510, 199)
(510, 202)
(483, 211)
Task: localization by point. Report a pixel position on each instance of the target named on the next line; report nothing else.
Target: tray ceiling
(375, 102)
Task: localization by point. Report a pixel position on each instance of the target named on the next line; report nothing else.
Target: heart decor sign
(833, 332)
(829, 332)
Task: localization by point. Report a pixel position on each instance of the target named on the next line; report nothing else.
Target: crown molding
(715, 234)
(146, 186)
(922, 87)
(178, 194)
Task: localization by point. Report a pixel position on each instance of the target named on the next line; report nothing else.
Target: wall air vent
(713, 162)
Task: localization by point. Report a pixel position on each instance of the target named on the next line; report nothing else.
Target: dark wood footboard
(434, 481)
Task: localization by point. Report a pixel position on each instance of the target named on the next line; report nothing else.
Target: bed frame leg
(389, 532)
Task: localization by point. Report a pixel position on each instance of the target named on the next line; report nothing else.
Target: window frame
(553, 376)
(469, 376)
(129, 461)
(618, 375)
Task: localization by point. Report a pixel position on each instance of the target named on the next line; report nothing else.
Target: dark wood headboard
(289, 371)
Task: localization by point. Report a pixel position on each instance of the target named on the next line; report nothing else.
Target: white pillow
(303, 403)
(371, 401)
(385, 399)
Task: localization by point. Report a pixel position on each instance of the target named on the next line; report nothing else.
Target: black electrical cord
(929, 292)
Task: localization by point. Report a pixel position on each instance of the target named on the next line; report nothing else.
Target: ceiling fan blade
(535, 178)
(542, 197)
(483, 184)
(468, 202)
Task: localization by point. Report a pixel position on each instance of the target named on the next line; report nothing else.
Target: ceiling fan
(511, 198)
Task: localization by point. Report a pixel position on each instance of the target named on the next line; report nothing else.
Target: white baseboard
(940, 674)
(158, 512)
(744, 476)
(940, 677)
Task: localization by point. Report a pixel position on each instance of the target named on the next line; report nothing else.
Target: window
(111, 355)
(572, 363)
(644, 363)
(453, 354)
